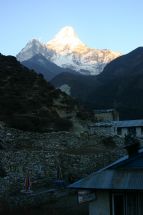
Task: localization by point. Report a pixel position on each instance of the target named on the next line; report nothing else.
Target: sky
(102, 24)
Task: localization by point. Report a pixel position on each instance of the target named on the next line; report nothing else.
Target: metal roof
(129, 123)
(112, 179)
(121, 124)
(133, 162)
(126, 173)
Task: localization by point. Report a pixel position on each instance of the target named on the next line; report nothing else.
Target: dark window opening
(132, 130)
(119, 131)
(118, 204)
(129, 203)
(2, 172)
(142, 130)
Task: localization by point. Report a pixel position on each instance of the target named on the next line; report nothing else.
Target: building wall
(101, 206)
(114, 130)
(104, 116)
(102, 130)
(125, 131)
(139, 132)
(107, 115)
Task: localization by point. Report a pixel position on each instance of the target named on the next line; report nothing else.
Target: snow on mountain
(31, 49)
(66, 41)
(67, 51)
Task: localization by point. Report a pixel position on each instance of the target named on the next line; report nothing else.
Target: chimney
(132, 145)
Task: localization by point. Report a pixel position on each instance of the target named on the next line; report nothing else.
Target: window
(132, 130)
(140, 203)
(129, 203)
(141, 130)
(118, 204)
(119, 131)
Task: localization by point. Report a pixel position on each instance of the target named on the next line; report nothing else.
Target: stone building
(106, 115)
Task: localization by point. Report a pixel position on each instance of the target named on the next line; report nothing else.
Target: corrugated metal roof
(125, 173)
(121, 124)
(133, 162)
(112, 179)
(129, 123)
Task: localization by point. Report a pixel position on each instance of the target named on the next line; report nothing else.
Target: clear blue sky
(111, 24)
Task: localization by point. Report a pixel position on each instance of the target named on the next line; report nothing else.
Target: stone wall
(40, 155)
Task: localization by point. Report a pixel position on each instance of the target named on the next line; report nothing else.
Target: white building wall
(113, 130)
(101, 206)
(138, 132)
(124, 132)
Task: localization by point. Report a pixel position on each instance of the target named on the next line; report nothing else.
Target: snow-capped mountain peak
(65, 41)
(32, 48)
(68, 51)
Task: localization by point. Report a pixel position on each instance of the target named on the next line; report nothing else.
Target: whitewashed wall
(101, 206)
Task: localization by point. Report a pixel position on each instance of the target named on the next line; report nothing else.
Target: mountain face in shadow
(29, 102)
(119, 86)
(43, 66)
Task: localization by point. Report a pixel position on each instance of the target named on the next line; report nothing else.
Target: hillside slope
(29, 102)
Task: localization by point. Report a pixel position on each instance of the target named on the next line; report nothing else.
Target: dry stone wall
(42, 155)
